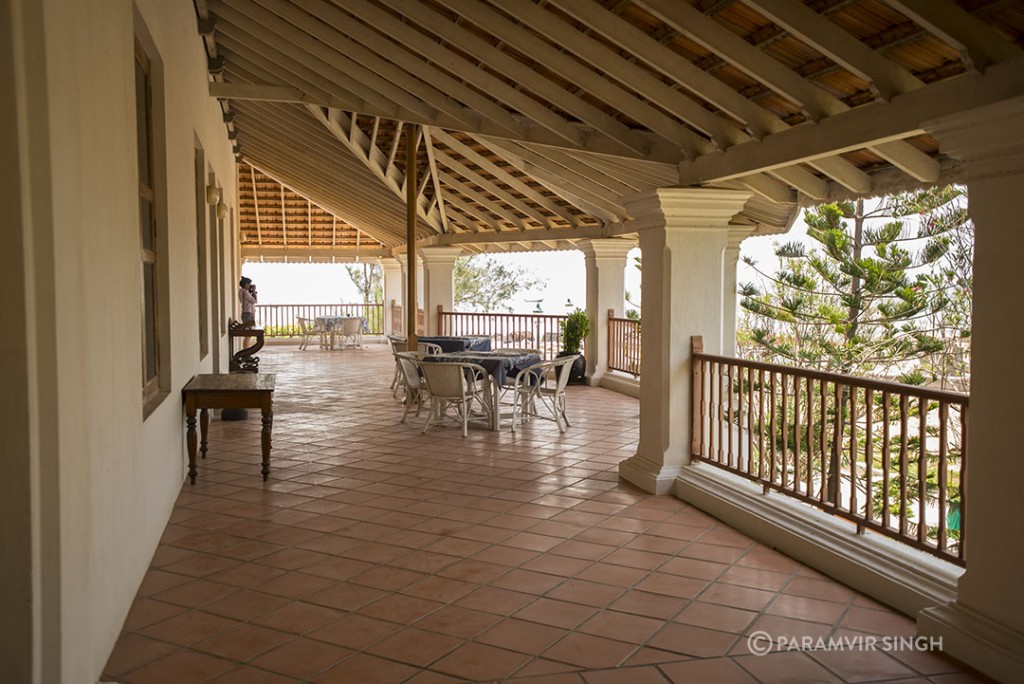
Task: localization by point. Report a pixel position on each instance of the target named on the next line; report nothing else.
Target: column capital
(439, 254)
(599, 248)
(985, 140)
(402, 259)
(687, 208)
(390, 263)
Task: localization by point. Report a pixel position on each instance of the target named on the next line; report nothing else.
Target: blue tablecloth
(449, 343)
(500, 366)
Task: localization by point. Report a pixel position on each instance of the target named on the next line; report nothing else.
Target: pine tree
(883, 291)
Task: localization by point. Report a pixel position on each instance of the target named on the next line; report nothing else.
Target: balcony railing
(536, 331)
(624, 345)
(889, 457)
(279, 320)
(398, 319)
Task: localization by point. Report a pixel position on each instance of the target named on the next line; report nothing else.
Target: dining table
(332, 324)
(501, 367)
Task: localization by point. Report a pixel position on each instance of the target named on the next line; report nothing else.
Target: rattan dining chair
(456, 385)
(531, 388)
(415, 388)
(351, 332)
(308, 329)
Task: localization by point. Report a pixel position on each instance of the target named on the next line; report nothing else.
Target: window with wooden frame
(151, 279)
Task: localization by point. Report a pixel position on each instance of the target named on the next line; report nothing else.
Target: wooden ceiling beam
(844, 173)
(886, 77)
(804, 181)
(438, 196)
(910, 160)
(502, 175)
(592, 51)
(629, 143)
(759, 121)
(979, 44)
(761, 66)
(478, 197)
(492, 188)
(579, 191)
(582, 76)
(866, 126)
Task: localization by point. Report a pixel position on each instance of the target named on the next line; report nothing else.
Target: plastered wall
(117, 473)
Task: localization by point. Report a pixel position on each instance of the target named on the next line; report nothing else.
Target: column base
(649, 476)
(975, 639)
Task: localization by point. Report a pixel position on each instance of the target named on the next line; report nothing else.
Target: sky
(563, 273)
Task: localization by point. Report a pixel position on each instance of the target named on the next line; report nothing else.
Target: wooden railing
(398, 319)
(536, 331)
(624, 345)
(889, 457)
(279, 320)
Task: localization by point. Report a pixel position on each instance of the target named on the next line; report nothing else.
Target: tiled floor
(376, 553)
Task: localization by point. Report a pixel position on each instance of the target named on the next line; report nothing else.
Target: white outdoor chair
(351, 332)
(430, 348)
(531, 389)
(310, 329)
(415, 389)
(398, 344)
(458, 385)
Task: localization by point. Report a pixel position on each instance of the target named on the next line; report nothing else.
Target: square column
(438, 283)
(730, 258)
(606, 290)
(683, 232)
(394, 283)
(984, 626)
(398, 324)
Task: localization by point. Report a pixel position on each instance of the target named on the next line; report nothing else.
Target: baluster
(796, 433)
(809, 468)
(943, 435)
(961, 547)
(922, 469)
(750, 420)
(772, 426)
(760, 424)
(731, 414)
(903, 464)
(853, 450)
(784, 378)
(886, 458)
(869, 452)
(837, 444)
(823, 440)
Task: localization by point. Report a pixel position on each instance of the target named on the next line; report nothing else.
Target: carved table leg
(204, 427)
(190, 422)
(268, 422)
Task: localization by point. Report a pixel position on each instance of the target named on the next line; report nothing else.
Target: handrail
(540, 331)
(280, 320)
(855, 381)
(623, 344)
(889, 457)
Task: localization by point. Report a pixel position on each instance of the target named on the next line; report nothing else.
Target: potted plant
(575, 329)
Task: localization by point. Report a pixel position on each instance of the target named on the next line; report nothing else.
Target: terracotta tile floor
(376, 553)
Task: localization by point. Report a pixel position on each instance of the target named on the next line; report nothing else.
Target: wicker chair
(531, 389)
(456, 385)
(413, 385)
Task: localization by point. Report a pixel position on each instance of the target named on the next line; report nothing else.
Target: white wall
(119, 474)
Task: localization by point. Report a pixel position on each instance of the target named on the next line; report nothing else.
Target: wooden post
(440, 319)
(696, 423)
(411, 307)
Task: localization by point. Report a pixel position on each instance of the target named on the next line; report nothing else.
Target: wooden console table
(232, 390)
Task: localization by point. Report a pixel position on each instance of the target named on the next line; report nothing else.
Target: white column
(730, 258)
(403, 262)
(606, 289)
(984, 627)
(438, 283)
(393, 285)
(683, 232)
